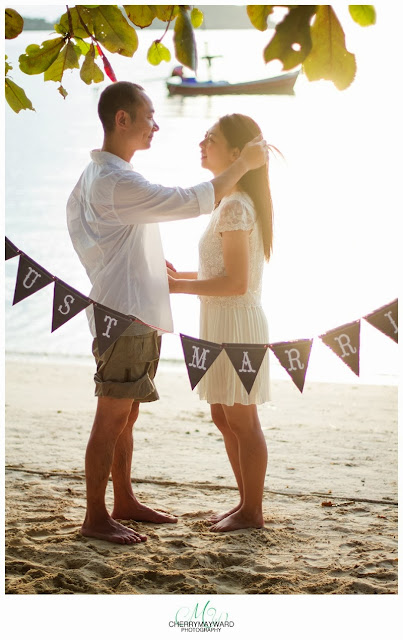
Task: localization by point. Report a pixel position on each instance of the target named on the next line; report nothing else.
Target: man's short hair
(119, 95)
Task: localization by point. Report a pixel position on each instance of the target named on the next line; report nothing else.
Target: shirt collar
(104, 157)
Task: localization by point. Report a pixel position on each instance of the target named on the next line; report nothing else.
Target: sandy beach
(330, 502)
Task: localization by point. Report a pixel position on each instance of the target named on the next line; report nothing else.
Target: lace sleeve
(235, 215)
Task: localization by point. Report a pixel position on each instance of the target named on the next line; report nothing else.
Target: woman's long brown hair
(238, 130)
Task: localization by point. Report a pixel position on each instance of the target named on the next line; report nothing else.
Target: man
(112, 215)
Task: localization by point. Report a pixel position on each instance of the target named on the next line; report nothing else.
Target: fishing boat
(282, 84)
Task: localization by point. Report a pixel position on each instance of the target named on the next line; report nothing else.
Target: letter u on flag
(344, 341)
(246, 360)
(294, 357)
(199, 356)
(67, 303)
(386, 320)
(109, 326)
(30, 278)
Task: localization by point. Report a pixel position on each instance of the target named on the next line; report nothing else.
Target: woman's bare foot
(217, 517)
(111, 531)
(134, 510)
(238, 520)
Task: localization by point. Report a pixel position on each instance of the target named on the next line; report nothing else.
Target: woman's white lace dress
(233, 319)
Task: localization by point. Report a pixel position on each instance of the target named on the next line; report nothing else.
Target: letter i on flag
(344, 341)
(67, 303)
(246, 360)
(109, 326)
(199, 356)
(30, 278)
(294, 357)
(385, 319)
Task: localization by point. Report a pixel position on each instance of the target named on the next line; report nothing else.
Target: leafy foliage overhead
(309, 36)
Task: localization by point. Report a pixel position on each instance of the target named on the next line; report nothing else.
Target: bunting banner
(385, 319)
(246, 360)
(30, 278)
(345, 343)
(67, 303)
(11, 250)
(294, 357)
(199, 355)
(109, 326)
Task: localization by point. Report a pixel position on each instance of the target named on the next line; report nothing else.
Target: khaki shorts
(128, 367)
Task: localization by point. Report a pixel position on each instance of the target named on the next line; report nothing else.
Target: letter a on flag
(30, 278)
(109, 326)
(294, 357)
(199, 356)
(246, 360)
(67, 302)
(344, 341)
(11, 250)
(385, 319)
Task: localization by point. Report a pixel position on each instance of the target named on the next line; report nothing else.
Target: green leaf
(157, 53)
(63, 92)
(364, 14)
(164, 11)
(329, 58)
(184, 41)
(67, 59)
(90, 72)
(142, 15)
(291, 42)
(196, 18)
(63, 26)
(16, 97)
(8, 66)
(258, 14)
(37, 59)
(14, 24)
(83, 45)
(113, 31)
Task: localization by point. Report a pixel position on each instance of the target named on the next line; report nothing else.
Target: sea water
(335, 195)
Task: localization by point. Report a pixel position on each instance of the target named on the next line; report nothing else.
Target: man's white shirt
(112, 217)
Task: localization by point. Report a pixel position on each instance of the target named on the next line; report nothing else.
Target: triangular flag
(199, 356)
(344, 341)
(246, 360)
(294, 357)
(109, 325)
(30, 278)
(11, 250)
(385, 319)
(67, 303)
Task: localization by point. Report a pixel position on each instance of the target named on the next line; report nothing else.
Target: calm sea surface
(336, 195)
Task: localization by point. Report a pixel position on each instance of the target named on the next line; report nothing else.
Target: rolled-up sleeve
(137, 201)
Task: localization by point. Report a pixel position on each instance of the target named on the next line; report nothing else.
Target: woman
(232, 251)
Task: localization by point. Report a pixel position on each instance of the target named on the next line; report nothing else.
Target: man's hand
(170, 266)
(255, 153)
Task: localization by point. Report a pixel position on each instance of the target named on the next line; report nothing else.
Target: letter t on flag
(109, 326)
(199, 356)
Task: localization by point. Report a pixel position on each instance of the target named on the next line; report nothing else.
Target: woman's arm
(183, 275)
(235, 246)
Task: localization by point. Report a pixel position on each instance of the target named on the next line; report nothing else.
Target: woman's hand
(170, 265)
(171, 273)
(173, 283)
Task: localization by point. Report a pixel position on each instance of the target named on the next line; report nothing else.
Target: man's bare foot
(111, 531)
(134, 510)
(238, 520)
(216, 517)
